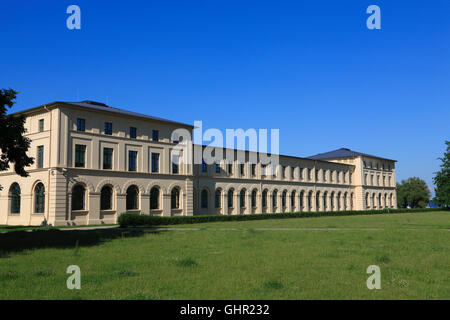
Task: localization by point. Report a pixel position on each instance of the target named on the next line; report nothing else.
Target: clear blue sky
(310, 68)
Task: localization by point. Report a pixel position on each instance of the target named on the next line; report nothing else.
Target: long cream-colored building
(94, 162)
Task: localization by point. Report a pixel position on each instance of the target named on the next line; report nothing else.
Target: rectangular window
(41, 125)
(174, 164)
(132, 159)
(204, 166)
(263, 170)
(217, 168)
(40, 156)
(80, 152)
(155, 162)
(155, 135)
(107, 158)
(108, 128)
(230, 168)
(133, 132)
(242, 169)
(80, 124)
(253, 169)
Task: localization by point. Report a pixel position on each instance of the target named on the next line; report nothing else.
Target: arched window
(39, 198)
(302, 194)
(345, 201)
(379, 201)
(106, 198)
(325, 195)
(332, 201)
(14, 195)
(318, 201)
(338, 201)
(204, 198)
(274, 198)
(132, 198)
(218, 198)
(351, 201)
(175, 198)
(242, 198)
(254, 198)
(293, 200)
(309, 200)
(230, 198)
(264, 198)
(367, 200)
(154, 198)
(283, 199)
(78, 192)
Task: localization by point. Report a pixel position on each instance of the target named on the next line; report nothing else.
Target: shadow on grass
(13, 242)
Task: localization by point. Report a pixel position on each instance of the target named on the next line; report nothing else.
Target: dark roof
(103, 107)
(280, 155)
(94, 105)
(343, 153)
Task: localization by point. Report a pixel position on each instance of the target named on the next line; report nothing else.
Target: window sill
(176, 211)
(80, 211)
(108, 211)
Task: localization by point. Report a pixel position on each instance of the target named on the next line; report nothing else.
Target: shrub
(129, 219)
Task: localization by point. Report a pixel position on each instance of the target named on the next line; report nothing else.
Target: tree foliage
(413, 193)
(13, 144)
(442, 180)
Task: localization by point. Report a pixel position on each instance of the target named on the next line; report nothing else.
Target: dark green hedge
(128, 219)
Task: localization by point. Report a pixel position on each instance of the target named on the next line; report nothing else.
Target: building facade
(94, 162)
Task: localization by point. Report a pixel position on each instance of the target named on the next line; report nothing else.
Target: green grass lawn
(305, 258)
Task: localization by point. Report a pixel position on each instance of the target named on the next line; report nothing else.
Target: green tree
(413, 193)
(13, 144)
(442, 180)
